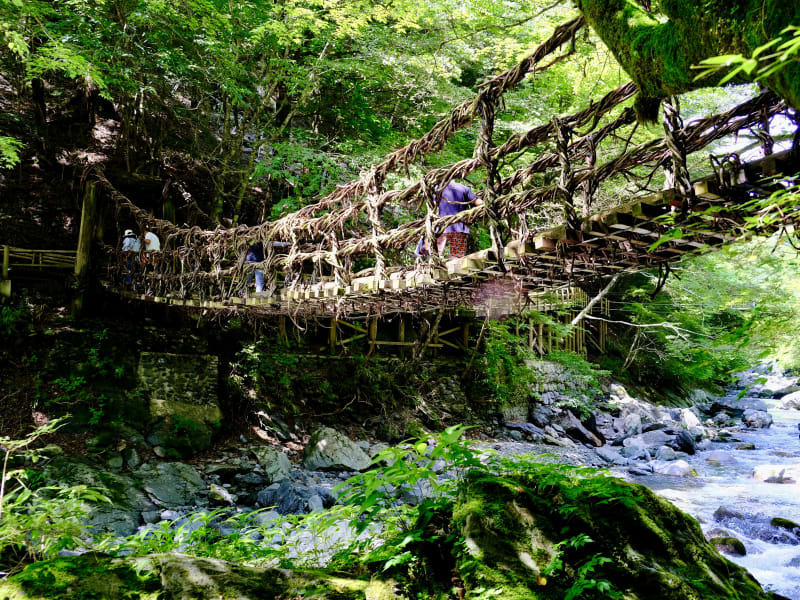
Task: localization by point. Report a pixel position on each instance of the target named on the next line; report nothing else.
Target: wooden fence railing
(24, 258)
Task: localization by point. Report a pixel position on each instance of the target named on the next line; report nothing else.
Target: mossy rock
(178, 577)
(729, 545)
(784, 524)
(511, 526)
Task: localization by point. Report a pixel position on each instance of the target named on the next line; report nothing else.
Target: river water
(773, 555)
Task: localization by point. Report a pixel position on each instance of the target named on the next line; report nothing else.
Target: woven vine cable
(763, 134)
(564, 186)
(674, 139)
(483, 152)
(590, 185)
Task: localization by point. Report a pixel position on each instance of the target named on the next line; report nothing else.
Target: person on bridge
(151, 242)
(453, 199)
(130, 244)
(255, 253)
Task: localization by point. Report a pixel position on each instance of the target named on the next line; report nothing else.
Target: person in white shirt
(151, 242)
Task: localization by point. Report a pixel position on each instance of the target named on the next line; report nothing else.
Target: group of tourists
(132, 246)
(132, 243)
(453, 199)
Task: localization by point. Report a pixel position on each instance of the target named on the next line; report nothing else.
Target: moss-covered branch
(658, 49)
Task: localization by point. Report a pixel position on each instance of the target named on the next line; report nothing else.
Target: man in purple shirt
(454, 198)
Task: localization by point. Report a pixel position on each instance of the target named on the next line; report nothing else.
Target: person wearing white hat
(130, 243)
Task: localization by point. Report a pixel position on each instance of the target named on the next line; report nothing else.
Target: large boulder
(511, 527)
(757, 419)
(577, 431)
(735, 406)
(610, 455)
(674, 468)
(179, 577)
(790, 401)
(172, 483)
(122, 515)
(294, 498)
(330, 450)
(275, 463)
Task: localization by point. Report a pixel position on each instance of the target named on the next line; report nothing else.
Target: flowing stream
(773, 554)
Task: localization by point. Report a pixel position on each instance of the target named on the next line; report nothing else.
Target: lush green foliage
(720, 313)
(84, 391)
(37, 521)
(503, 363)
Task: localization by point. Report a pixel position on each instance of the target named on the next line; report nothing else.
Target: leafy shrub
(37, 521)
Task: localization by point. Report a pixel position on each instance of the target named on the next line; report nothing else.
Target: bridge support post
(332, 339)
(401, 335)
(85, 236)
(5, 283)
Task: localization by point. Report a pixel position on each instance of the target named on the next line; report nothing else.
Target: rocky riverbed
(635, 439)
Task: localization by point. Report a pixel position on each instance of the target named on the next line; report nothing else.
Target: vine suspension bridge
(311, 255)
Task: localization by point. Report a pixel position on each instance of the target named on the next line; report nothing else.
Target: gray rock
(723, 513)
(275, 463)
(250, 479)
(557, 441)
(790, 401)
(315, 504)
(515, 435)
(219, 495)
(131, 457)
(665, 453)
(290, 498)
(172, 483)
(528, 431)
(608, 454)
(689, 419)
(650, 439)
(415, 494)
(169, 515)
(151, 516)
(635, 452)
(735, 406)
(376, 449)
(115, 462)
(541, 416)
(640, 471)
(722, 419)
(757, 419)
(263, 518)
(576, 430)
(779, 389)
(122, 516)
(684, 442)
(675, 468)
(330, 450)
